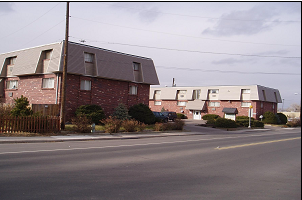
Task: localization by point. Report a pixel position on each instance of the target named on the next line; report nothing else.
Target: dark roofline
(89, 46)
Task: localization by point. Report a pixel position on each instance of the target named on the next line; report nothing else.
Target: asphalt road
(249, 166)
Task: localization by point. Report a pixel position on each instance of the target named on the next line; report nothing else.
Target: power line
(215, 18)
(221, 71)
(180, 35)
(30, 22)
(44, 32)
(204, 52)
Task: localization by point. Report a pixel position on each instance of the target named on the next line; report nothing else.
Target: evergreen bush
(210, 117)
(142, 113)
(21, 107)
(269, 118)
(181, 116)
(282, 118)
(225, 123)
(121, 112)
(93, 112)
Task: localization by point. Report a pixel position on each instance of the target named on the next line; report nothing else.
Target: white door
(230, 116)
(196, 115)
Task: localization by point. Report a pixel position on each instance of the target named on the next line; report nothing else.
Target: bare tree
(293, 108)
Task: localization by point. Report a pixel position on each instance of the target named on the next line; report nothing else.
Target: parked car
(160, 117)
(171, 115)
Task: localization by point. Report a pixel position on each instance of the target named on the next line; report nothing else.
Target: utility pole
(64, 75)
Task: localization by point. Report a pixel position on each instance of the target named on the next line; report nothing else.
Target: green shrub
(211, 121)
(121, 112)
(93, 112)
(282, 119)
(21, 107)
(181, 116)
(257, 123)
(112, 125)
(210, 116)
(225, 123)
(269, 118)
(243, 117)
(142, 113)
(82, 123)
(244, 121)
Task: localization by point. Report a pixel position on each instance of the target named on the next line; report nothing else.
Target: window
(136, 66)
(133, 90)
(157, 103)
(85, 85)
(181, 103)
(214, 104)
(245, 104)
(12, 60)
(157, 94)
(48, 83)
(264, 96)
(48, 54)
(214, 91)
(261, 104)
(196, 94)
(12, 84)
(246, 91)
(88, 57)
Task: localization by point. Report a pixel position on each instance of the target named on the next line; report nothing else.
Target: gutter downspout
(57, 88)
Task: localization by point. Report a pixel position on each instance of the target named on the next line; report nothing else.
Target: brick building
(94, 76)
(225, 101)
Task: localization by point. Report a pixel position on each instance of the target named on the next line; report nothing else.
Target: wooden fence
(46, 109)
(42, 124)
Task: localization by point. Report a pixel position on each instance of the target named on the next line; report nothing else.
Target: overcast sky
(197, 43)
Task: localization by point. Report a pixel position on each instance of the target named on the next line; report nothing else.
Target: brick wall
(104, 92)
(31, 87)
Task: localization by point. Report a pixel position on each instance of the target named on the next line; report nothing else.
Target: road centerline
(257, 143)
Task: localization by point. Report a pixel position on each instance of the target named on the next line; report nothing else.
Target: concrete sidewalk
(191, 128)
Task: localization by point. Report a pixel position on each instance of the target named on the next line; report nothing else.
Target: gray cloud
(146, 11)
(6, 7)
(252, 21)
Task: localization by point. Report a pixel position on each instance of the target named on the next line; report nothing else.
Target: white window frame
(85, 85)
(12, 84)
(196, 94)
(136, 66)
(246, 91)
(214, 91)
(214, 104)
(12, 60)
(133, 90)
(246, 104)
(88, 57)
(157, 103)
(48, 83)
(181, 103)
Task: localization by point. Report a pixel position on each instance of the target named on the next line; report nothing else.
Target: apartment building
(225, 101)
(94, 76)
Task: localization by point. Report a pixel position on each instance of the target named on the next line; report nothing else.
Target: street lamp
(282, 105)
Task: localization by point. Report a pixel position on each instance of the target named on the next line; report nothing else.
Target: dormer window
(12, 60)
(214, 91)
(88, 57)
(136, 66)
